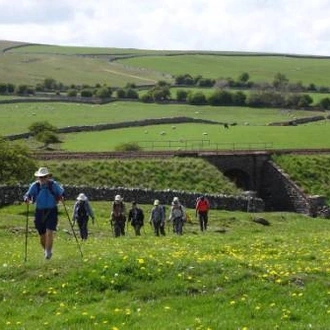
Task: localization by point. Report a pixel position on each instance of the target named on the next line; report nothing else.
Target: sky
(271, 26)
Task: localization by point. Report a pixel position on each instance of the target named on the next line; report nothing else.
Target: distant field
(32, 69)
(73, 65)
(16, 118)
(238, 137)
(260, 68)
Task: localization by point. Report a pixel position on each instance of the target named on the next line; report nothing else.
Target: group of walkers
(45, 193)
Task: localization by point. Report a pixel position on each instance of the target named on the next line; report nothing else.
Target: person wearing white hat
(157, 218)
(82, 210)
(118, 217)
(45, 193)
(177, 216)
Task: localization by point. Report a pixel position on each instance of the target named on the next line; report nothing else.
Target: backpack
(158, 214)
(50, 187)
(81, 210)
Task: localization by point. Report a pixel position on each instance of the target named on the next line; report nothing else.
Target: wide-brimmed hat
(42, 171)
(156, 202)
(81, 197)
(118, 198)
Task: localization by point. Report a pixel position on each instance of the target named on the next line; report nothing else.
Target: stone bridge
(255, 171)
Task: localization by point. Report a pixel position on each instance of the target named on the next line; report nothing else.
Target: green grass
(260, 68)
(310, 171)
(33, 63)
(16, 118)
(183, 174)
(190, 136)
(250, 277)
(32, 69)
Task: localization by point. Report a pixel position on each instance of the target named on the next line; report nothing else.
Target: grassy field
(32, 69)
(247, 277)
(190, 136)
(260, 68)
(34, 63)
(182, 174)
(16, 118)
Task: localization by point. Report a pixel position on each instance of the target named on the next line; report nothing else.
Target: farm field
(260, 68)
(33, 63)
(191, 136)
(15, 118)
(247, 277)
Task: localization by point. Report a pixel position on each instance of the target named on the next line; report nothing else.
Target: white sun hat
(156, 202)
(175, 199)
(118, 198)
(81, 197)
(42, 171)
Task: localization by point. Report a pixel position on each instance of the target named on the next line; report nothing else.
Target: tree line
(227, 92)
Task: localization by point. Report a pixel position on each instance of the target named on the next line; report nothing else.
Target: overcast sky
(281, 26)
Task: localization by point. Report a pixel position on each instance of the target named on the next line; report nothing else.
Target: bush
(129, 146)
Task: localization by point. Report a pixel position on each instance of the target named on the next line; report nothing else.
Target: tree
(44, 132)
(41, 126)
(50, 84)
(244, 77)
(103, 92)
(197, 98)
(181, 95)
(47, 138)
(16, 163)
(280, 81)
(324, 104)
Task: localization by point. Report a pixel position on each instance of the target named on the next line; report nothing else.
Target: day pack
(50, 187)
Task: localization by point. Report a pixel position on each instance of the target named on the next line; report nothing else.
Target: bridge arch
(241, 178)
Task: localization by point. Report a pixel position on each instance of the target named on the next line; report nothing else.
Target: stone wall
(13, 194)
(280, 193)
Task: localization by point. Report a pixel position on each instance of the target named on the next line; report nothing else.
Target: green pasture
(31, 64)
(237, 275)
(260, 68)
(32, 69)
(75, 50)
(15, 118)
(191, 136)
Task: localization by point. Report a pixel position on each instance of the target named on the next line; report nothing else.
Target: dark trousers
(159, 228)
(203, 219)
(119, 225)
(178, 225)
(137, 228)
(83, 229)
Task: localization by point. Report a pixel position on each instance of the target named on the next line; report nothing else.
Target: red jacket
(202, 205)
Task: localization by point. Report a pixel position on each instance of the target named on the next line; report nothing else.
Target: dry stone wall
(14, 194)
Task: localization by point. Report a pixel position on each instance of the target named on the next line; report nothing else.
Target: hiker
(202, 209)
(136, 217)
(177, 216)
(118, 216)
(82, 210)
(45, 193)
(157, 218)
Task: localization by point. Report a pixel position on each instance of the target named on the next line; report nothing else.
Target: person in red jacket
(202, 209)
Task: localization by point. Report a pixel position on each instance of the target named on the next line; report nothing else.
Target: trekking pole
(26, 231)
(71, 225)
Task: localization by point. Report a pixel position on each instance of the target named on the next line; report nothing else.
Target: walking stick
(26, 231)
(71, 225)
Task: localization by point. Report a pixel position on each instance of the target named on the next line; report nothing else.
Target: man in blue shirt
(45, 193)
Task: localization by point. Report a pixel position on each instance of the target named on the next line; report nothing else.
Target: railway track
(62, 155)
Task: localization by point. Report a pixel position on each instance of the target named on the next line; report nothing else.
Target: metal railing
(202, 145)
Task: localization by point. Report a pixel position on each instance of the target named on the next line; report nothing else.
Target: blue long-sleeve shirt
(44, 196)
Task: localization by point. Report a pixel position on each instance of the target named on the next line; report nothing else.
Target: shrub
(129, 146)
